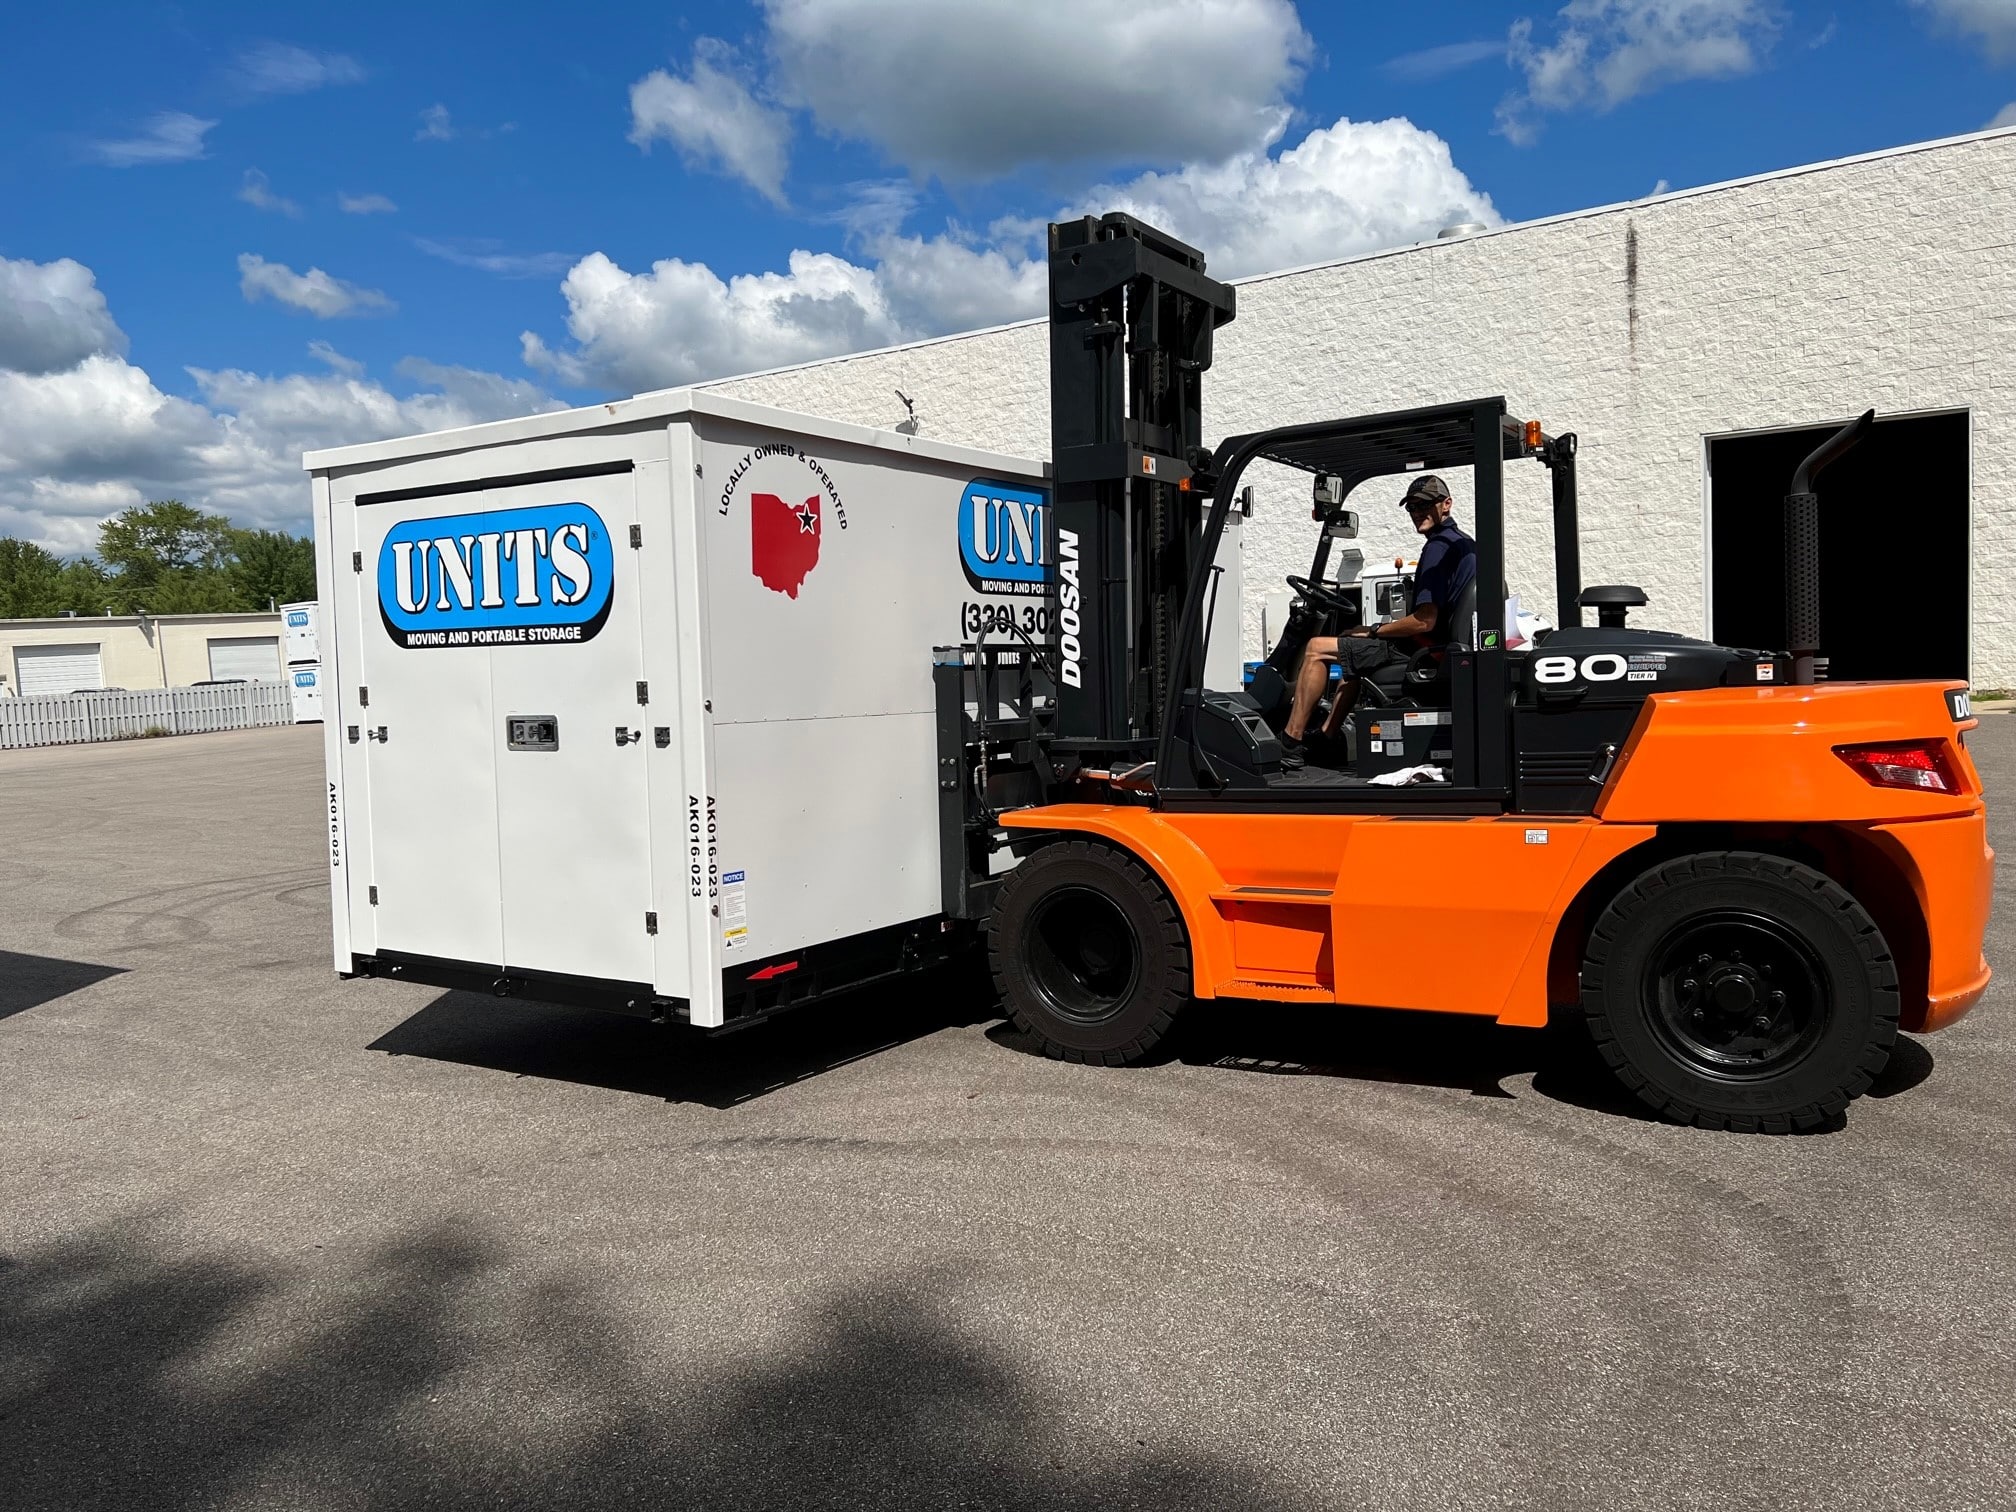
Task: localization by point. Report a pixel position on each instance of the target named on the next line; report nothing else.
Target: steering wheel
(1321, 596)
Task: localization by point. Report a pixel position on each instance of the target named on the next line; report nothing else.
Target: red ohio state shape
(783, 541)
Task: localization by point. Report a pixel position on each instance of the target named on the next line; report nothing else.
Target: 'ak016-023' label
(534, 576)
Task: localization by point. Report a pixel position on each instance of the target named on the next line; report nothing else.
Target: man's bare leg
(1309, 680)
(1345, 700)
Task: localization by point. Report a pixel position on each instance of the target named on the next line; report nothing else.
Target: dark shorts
(1363, 655)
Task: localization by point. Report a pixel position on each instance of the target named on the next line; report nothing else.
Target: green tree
(199, 592)
(166, 552)
(271, 567)
(31, 581)
(85, 588)
(163, 557)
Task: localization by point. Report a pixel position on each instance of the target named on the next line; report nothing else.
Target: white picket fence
(69, 718)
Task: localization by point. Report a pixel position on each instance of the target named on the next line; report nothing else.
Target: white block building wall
(1793, 299)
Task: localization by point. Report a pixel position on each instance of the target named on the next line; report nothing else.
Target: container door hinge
(356, 561)
(636, 536)
(363, 698)
(374, 895)
(650, 923)
(643, 692)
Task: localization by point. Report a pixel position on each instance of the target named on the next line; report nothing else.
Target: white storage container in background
(305, 683)
(634, 704)
(303, 631)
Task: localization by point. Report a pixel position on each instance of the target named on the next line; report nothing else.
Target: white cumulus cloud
(1603, 52)
(52, 316)
(316, 292)
(85, 433)
(323, 352)
(275, 68)
(488, 256)
(170, 137)
(983, 87)
(714, 119)
(1346, 188)
(636, 331)
(257, 191)
(364, 204)
(1990, 22)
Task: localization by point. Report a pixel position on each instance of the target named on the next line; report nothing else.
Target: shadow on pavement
(1910, 1064)
(1448, 1050)
(29, 981)
(433, 1371)
(1362, 1044)
(625, 1054)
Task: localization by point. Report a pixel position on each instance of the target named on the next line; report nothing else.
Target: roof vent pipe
(1461, 228)
(1802, 547)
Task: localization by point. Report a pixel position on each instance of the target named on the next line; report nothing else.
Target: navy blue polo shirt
(1447, 566)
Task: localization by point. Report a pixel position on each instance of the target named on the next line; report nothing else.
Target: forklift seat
(1423, 680)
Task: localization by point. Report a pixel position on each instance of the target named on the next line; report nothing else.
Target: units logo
(787, 524)
(538, 575)
(1004, 537)
(297, 619)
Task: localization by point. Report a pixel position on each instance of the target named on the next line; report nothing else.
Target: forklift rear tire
(1089, 953)
(1742, 991)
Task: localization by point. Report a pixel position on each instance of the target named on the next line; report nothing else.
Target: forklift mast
(1131, 317)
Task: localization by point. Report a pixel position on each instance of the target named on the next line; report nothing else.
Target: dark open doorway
(1893, 546)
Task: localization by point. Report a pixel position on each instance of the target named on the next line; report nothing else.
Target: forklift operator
(1447, 566)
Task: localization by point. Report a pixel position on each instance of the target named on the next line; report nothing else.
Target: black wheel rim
(1083, 957)
(1737, 995)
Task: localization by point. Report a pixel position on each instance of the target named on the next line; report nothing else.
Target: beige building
(136, 651)
(1699, 342)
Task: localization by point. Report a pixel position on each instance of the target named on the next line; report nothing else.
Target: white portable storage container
(629, 701)
(302, 633)
(305, 684)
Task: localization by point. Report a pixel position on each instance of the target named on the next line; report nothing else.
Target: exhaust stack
(1802, 547)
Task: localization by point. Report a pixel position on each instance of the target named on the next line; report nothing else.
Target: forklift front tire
(1089, 953)
(1736, 990)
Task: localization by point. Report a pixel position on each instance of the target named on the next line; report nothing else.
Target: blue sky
(227, 233)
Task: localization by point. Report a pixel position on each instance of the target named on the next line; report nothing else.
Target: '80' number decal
(1604, 666)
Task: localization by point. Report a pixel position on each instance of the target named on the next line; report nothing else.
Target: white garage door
(249, 659)
(56, 669)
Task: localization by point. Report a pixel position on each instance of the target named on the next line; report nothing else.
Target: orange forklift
(1740, 879)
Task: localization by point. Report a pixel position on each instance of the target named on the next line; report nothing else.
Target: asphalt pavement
(268, 1239)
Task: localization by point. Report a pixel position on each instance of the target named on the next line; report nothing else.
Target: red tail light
(1920, 764)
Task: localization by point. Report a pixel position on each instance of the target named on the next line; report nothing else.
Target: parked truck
(698, 710)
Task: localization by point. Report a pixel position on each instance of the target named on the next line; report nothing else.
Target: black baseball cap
(1426, 489)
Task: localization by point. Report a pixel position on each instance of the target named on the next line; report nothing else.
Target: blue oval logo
(532, 576)
(1004, 537)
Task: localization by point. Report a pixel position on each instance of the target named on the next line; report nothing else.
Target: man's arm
(1420, 622)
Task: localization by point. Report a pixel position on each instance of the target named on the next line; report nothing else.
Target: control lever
(378, 735)
(626, 737)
